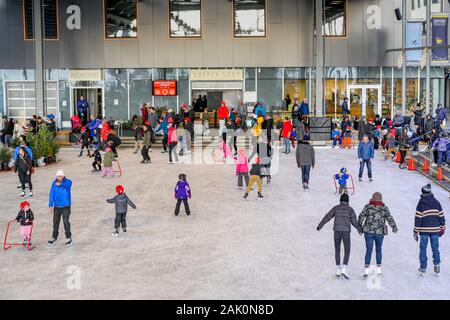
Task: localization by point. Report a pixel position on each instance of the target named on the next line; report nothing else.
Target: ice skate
(51, 241)
(366, 273)
(260, 196)
(115, 233)
(68, 242)
(245, 195)
(379, 271)
(437, 270)
(22, 194)
(31, 194)
(338, 272)
(124, 230)
(422, 272)
(344, 273)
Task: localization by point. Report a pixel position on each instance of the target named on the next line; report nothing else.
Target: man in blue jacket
(304, 108)
(429, 225)
(82, 108)
(441, 116)
(59, 203)
(365, 155)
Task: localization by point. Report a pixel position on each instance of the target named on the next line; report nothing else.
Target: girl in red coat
(223, 113)
(286, 134)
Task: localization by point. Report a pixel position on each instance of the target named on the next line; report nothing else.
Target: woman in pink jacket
(242, 168)
(172, 140)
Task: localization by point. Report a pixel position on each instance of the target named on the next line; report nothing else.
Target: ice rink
(229, 248)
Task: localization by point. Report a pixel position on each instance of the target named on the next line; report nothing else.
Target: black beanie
(344, 198)
(426, 189)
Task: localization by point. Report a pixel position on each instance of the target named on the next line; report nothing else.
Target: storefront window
(183, 86)
(120, 19)
(140, 89)
(50, 14)
(334, 24)
(249, 18)
(295, 84)
(185, 18)
(270, 87)
(250, 83)
(116, 95)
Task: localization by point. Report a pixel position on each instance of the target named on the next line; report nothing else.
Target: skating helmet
(120, 189)
(24, 204)
(344, 170)
(182, 176)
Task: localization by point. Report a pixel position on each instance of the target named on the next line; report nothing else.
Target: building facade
(112, 51)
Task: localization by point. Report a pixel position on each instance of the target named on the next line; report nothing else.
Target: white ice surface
(228, 248)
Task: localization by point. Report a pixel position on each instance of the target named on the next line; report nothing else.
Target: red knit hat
(83, 129)
(170, 120)
(119, 189)
(24, 204)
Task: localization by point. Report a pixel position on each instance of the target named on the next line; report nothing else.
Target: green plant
(43, 143)
(5, 155)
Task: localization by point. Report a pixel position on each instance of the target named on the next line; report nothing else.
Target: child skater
(344, 218)
(336, 136)
(255, 177)
(107, 169)
(84, 142)
(182, 193)
(242, 168)
(25, 217)
(122, 202)
(97, 164)
(342, 178)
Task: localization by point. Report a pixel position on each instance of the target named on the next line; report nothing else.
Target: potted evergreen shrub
(5, 158)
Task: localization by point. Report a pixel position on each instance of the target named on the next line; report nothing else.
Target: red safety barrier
(352, 187)
(119, 169)
(7, 245)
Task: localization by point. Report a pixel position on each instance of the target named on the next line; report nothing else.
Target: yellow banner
(216, 74)
(85, 75)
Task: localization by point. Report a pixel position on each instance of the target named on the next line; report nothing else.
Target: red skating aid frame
(348, 188)
(120, 169)
(7, 245)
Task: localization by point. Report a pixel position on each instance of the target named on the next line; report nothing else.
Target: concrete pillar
(39, 56)
(319, 52)
(404, 19)
(428, 55)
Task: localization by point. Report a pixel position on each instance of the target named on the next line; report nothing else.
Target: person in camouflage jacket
(373, 221)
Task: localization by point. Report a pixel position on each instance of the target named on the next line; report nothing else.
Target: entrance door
(365, 100)
(93, 97)
(215, 98)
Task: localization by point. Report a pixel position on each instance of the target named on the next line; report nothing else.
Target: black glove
(394, 229)
(416, 236)
(318, 228)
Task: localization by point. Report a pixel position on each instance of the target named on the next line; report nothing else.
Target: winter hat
(377, 196)
(182, 177)
(24, 204)
(170, 120)
(258, 160)
(344, 198)
(184, 106)
(83, 129)
(119, 189)
(344, 170)
(147, 123)
(107, 149)
(426, 189)
(60, 173)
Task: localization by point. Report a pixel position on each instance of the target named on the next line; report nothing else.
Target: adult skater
(429, 225)
(59, 203)
(23, 165)
(365, 155)
(344, 217)
(305, 159)
(373, 221)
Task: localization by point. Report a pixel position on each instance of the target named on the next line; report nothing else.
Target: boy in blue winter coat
(365, 155)
(342, 178)
(441, 145)
(181, 194)
(337, 137)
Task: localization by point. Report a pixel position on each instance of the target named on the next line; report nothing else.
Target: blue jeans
(442, 157)
(305, 173)
(369, 168)
(335, 141)
(287, 145)
(372, 238)
(434, 240)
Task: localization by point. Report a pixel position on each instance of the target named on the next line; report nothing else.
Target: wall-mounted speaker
(398, 14)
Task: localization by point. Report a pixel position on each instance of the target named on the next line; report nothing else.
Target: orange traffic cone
(411, 165)
(398, 158)
(440, 176)
(426, 166)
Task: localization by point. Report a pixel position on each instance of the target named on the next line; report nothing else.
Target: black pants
(24, 178)
(87, 148)
(402, 156)
(121, 219)
(164, 142)
(145, 154)
(172, 147)
(65, 213)
(186, 206)
(242, 176)
(224, 137)
(339, 237)
(97, 166)
(368, 163)
(235, 144)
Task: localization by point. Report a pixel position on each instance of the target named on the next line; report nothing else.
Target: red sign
(164, 88)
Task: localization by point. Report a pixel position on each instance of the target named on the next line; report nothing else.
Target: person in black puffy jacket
(25, 217)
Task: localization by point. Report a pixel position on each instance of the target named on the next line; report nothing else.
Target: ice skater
(342, 178)
(121, 202)
(108, 158)
(344, 218)
(242, 168)
(255, 177)
(97, 164)
(429, 225)
(85, 141)
(182, 193)
(25, 217)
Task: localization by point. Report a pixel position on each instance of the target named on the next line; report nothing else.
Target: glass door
(365, 100)
(356, 101)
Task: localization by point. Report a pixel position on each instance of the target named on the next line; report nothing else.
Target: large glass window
(50, 14)
(270, 87)
(120, 18)
(295, 85)
(334, 24)
(185, 18)
(249, 18)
